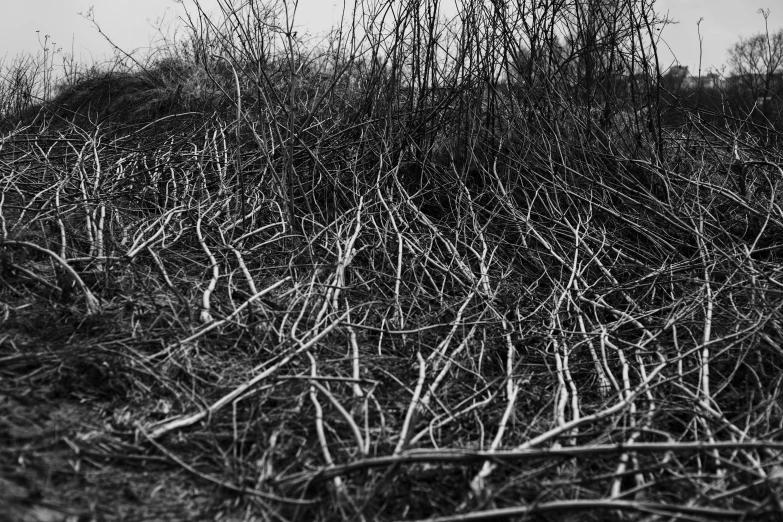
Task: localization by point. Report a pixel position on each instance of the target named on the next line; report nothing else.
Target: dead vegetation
(448, 269)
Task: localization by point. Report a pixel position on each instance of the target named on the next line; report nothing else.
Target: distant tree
(676, 78)
(757, 63)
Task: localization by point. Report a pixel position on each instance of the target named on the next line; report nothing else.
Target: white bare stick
(248, 278)
(464, 268)
(319, 415)
(418, 251)
(618, 406)
(438, 423)
(100, 232)
(562, 392)
(357, 389)
(410, 417)
(344, 258)
(398, 318)
(87, 215)
(218, 324)
(433, 388)
(228, 398)
(319, 425)
(509, 358)
(444, 344)
(93, 305)
(60, 224)
(3, 226)
(162, 270)
(705, 354)
(206, 317)
(607, 370)
(479, 483)
(484, 279)
(140, 244)
(572, 387)
(99, 217)
(622, 466)
(603, 381)
(350, 252)
(259, 230)
(717, 416)
(357, 434)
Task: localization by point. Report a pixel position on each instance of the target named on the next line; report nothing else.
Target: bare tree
(757, 63)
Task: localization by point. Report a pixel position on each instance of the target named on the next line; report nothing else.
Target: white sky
(724, 22)
(130, 23)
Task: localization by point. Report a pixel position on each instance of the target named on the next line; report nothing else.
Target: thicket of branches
(428, 267)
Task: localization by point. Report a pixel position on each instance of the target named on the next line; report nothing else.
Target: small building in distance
(679, 77)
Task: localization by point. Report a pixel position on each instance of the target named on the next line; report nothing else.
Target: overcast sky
(132, 24)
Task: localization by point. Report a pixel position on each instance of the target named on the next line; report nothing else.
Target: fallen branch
(236, 393)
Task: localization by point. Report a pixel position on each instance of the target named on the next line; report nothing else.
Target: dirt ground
(65, 452)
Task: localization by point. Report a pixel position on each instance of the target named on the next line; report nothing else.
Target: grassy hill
(431, 268)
